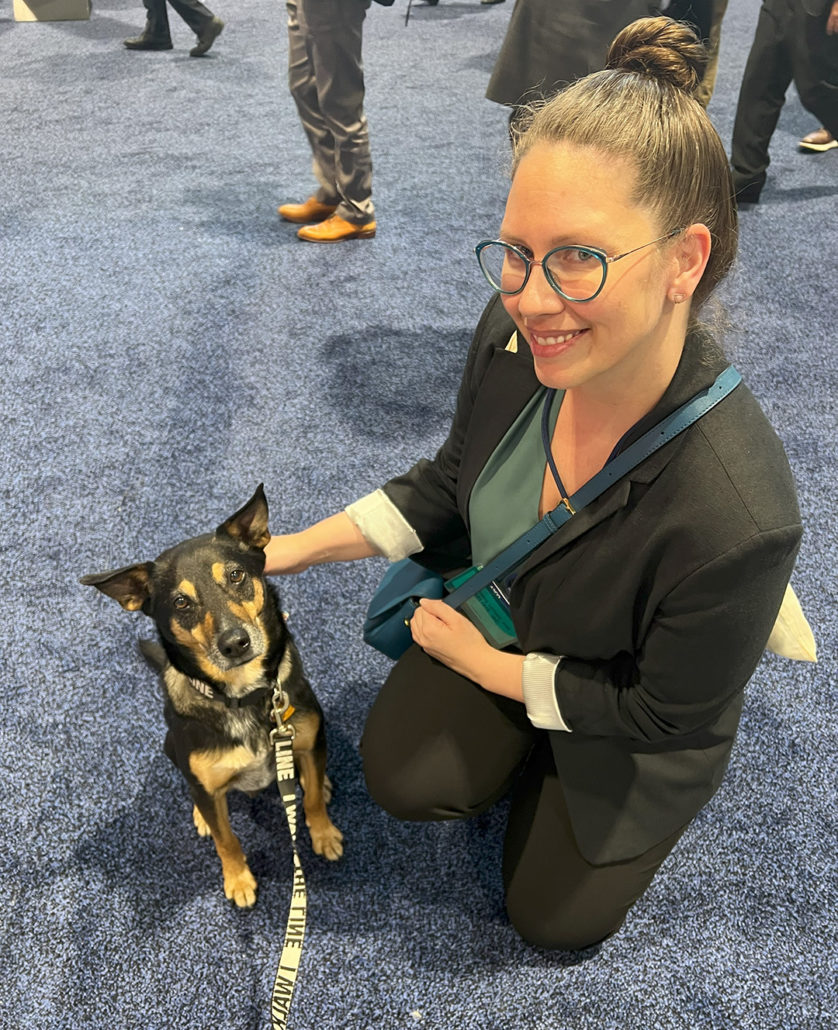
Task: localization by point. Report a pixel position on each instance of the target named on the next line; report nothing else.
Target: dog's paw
(241, 888)
(201, 824)
(327, 840)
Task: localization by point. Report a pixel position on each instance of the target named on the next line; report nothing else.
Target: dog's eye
(181, 603)
(237, 575)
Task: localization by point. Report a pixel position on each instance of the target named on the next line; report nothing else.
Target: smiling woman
(610, 716)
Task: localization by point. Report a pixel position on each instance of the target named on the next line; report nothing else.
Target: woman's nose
(537, 294)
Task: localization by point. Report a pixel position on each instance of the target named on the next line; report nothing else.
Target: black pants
(436, 746)
(789, 44)
(193, 12)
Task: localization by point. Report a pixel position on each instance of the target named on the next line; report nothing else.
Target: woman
(640, 622)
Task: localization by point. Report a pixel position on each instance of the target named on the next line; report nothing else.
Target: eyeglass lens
(578, 273)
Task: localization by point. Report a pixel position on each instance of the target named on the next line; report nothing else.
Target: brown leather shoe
(818, 141)
(306, 213)
(336, 229)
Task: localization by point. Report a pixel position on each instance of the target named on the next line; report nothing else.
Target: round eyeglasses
(575, 273)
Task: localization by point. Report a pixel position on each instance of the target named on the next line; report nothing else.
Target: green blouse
(504, 499)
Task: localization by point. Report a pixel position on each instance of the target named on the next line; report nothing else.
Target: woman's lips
(549, 345)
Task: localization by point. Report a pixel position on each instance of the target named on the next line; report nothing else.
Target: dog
(223, 644)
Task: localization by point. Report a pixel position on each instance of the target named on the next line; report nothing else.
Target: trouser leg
(767, 76)
(157, 20)
(436, 746)
(554, 897)
(326, 79)
(714, 39)
(303, 87)
(815, 59)
(193, 12)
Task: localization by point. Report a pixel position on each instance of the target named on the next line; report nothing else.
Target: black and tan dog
(224, 642)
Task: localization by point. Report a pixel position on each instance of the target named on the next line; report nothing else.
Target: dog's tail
(153, 654)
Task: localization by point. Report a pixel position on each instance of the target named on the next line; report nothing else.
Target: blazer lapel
(508, 384)
(700, 363)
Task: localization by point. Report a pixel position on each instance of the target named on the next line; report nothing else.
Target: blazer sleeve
(426, 495)
(702, 647)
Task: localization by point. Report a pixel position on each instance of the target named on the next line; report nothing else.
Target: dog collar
(255, 697)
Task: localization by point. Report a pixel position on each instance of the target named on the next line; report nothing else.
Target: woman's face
(564, 194)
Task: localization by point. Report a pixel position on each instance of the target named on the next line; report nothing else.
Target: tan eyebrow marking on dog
(250, 610)
(201, 634)
(219, 573)
(187, 587)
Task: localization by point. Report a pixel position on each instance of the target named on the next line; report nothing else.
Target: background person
(795, 40)
(640, 622)
(157, 36)
(547, 45)
(326, 79)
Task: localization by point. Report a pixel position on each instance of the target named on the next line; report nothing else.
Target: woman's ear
(691, 253)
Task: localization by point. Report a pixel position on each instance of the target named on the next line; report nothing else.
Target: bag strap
(668, 428)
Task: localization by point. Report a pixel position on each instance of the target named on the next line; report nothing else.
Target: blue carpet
(167, 344)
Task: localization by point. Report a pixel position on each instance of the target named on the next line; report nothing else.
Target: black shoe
(207, 36)
(146, 42)
(748, 194)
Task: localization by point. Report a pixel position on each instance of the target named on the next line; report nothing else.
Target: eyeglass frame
(604, 259)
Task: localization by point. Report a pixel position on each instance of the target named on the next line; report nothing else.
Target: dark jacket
(549, 44)
(661, 594)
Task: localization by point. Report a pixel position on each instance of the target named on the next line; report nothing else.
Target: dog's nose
(233, 643)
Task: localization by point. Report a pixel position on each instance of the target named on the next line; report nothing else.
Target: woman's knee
(562, 928)
(422, 783)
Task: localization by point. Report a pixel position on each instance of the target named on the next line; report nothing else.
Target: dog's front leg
(239, 881)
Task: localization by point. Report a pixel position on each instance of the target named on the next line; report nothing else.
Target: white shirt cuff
(538, 681)
(383, 525)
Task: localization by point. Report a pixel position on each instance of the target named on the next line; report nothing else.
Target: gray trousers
(326, 79)
(193, 12)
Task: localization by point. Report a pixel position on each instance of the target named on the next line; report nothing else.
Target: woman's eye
(237, 575)
(576, 256)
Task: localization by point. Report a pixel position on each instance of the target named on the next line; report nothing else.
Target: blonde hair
(641, 109)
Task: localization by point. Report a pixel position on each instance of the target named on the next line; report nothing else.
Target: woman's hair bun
(662, 49)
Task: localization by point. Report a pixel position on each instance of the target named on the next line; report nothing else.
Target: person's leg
(194, 13)
(714, 39)
(303, 88)
(815, 62)
(437, 746)
(334, 31)
(768, 73)
(156, 34)
(554, 897)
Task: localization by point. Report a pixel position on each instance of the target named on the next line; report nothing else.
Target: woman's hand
(448, 636)
(286, 554)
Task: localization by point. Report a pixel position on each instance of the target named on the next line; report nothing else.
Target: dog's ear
(129, 586)
(250, 523)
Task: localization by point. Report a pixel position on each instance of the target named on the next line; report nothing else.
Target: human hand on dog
(336, 538)
(448, 636)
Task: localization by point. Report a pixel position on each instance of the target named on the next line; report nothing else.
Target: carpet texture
(167, 344)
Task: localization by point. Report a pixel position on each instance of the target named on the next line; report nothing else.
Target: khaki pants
(326, 79)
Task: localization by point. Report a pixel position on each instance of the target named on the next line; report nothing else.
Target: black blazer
(661, 593)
